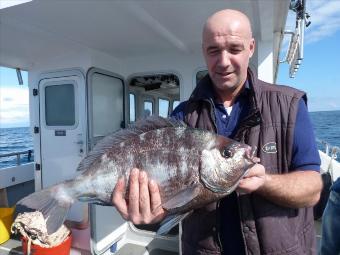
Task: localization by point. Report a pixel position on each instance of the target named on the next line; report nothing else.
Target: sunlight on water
(14, 140)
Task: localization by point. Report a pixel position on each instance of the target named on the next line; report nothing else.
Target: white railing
(18, 156)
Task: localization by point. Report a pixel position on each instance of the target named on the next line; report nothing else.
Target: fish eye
(227, 153)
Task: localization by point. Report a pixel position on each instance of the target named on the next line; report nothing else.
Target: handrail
(17, 154)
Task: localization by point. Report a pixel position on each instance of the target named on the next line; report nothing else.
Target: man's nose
(224, 59)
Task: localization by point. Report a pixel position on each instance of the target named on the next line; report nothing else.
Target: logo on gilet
(270, 147)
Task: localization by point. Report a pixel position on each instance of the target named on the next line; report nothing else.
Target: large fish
(192, 167)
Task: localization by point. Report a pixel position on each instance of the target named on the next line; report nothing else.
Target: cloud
(14, 107)
(325, 17)
(8, 99)
(325, 20)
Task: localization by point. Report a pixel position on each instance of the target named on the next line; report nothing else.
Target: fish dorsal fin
(135, 129)
(155, 122)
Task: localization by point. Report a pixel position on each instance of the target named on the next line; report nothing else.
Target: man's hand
(254, 179)
(296, 189)
(143, 205)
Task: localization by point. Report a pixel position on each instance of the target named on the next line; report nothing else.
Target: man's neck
(228, 97)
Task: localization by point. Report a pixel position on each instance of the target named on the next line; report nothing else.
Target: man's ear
(251, 47)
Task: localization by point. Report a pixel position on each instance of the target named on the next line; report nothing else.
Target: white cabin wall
(265, 61)
(105, 61)
(265, 24)
(81, 58)
(76, 58)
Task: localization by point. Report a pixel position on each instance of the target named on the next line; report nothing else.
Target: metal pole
(18, 159)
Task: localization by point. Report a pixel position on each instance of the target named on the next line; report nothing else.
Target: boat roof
(37, 30)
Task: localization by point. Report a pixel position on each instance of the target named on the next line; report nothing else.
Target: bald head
(227, 46)
(227, 22)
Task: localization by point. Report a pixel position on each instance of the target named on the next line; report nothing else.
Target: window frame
(76, 104)
(135, 106)
(152, 101)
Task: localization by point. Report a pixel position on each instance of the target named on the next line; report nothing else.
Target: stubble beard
(228, 87)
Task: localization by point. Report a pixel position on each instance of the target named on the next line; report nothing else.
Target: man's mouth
(225, 74)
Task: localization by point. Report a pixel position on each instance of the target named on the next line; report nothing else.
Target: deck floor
(13, 247)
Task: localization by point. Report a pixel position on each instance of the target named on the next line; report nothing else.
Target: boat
(96, 66)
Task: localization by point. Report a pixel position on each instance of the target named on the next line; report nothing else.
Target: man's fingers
(155, 197)
(118, 198)
(133, 208)
(142, 202)
(256, 170)
(144, 197)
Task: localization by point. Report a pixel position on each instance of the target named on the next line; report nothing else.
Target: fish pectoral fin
(182, 198)
(169, 222)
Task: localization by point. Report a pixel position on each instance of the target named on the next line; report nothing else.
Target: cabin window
(60, 105)
(163, 107)
(200, 75)
(148, 108)
(107, 103)
(175, 104)
(132, 107)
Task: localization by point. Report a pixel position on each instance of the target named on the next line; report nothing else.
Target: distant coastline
(325, 111)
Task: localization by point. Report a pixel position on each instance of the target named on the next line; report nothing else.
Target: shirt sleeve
(178, 112)
(305, 152)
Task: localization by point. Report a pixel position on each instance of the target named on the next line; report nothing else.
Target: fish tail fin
(54, 203)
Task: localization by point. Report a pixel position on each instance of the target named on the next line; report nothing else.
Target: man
(269, 213)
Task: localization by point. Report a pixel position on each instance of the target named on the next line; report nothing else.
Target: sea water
(15, 140)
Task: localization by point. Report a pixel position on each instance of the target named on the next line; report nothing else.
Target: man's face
(227, 52)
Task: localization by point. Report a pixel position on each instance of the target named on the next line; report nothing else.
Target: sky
(13, 99)
(319, 74)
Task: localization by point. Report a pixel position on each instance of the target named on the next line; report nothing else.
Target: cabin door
(62, 130)
(106, 114)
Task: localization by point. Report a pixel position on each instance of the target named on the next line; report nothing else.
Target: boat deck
(13, 247)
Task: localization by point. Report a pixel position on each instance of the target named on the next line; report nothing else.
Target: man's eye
(227, 153)
(235, 51)
(213, 52)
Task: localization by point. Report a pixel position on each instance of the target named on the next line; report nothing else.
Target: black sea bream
(192, 167)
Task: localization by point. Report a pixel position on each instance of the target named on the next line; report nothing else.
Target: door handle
(80, 143)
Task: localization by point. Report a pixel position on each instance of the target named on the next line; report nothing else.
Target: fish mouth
(250, 155)
(250, 159)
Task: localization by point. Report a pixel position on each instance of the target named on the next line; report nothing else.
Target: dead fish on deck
(192, 167)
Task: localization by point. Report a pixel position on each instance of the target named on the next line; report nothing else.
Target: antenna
(19, 76)
(295, 50)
